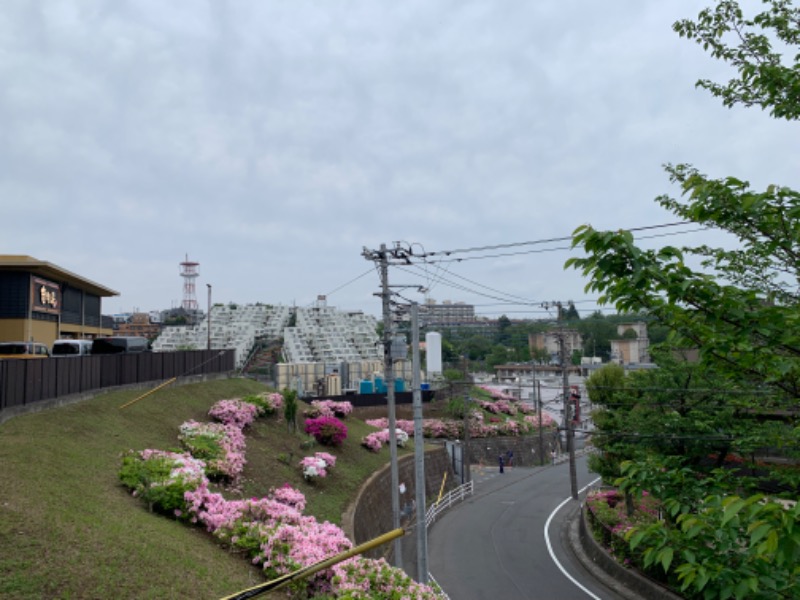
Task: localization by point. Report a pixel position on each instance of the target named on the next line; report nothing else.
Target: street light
(208, 344)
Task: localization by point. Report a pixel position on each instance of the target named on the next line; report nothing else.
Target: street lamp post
(208, 343)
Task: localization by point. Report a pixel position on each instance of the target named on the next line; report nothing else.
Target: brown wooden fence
(26, 382)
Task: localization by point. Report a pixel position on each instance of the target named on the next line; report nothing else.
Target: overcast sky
(272, 141)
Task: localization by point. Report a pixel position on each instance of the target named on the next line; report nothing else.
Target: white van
(71, 348)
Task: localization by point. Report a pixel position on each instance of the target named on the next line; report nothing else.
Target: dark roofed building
(42, 302)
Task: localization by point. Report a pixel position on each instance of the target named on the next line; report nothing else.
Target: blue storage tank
(380, 386)
(399, 384)
(365, 387)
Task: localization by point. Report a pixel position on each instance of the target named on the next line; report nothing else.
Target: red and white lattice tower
(189, 274)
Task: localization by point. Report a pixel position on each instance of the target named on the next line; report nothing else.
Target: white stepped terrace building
(320, 334)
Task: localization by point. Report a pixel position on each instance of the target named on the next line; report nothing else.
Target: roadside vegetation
(710, 439)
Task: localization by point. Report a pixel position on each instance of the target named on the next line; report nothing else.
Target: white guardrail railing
(452, 497)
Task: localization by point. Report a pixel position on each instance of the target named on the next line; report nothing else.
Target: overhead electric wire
(543, 250)
(510, 299)
(544, 241)
(344, 285)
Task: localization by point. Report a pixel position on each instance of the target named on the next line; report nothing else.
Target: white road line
(550, 546)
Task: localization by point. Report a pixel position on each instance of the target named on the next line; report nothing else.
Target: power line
(536, 242)
(543, 250)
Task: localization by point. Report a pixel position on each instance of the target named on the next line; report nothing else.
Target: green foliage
(740, 310)
(453, 376)
(766, 78)
(151, 481)
(261, 402)
(457, 407)
(731, 547)
(290, 408)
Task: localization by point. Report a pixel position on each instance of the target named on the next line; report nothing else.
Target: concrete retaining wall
(370, 514)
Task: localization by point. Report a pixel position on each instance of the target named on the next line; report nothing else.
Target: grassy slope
(69, 530)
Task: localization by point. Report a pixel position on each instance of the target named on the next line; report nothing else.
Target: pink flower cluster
(438, 428)
(496, 394)
(221, 446)
(185, 468)
(273, 400)
(234, 412)
(533, 420)
(499, 406)
(328, 431)
(375, 440)
(330, 408)
(272, 530)
(362, 578)
(383, 423)
(317, 465)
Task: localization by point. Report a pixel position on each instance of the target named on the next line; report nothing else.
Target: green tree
(503, 334)
(290, 407)
(740, 310)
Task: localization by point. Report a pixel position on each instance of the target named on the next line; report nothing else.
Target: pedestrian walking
(500, 460)
(510, 458)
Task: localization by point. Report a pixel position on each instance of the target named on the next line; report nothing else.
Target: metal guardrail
(452, 497)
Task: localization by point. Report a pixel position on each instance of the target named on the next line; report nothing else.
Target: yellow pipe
(284, 580)
(145, 395)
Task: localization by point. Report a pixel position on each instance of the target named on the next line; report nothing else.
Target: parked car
(72, 347)
(23, 350)
(120, 345)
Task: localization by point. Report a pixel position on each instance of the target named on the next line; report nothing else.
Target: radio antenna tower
(189, 274)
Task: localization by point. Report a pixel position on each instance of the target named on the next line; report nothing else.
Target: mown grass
(68, 529)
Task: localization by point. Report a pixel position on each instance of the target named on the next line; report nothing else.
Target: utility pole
(573, 475)
(538, 390)
(388, 372)
(466, 472)
(382, 257)
(419, 451)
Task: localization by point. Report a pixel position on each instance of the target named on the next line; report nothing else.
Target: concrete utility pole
(538, 389)
(419, 451)
(382, 258)
(573, 475)
(388, 372)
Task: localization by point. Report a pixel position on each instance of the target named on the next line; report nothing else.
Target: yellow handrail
(146, 394)
(441, 489)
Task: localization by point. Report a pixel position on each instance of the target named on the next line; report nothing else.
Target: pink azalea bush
(328, 431)
(383, 423)
(317, 465)
(222, 447)
(329, 408)
(162, 478)
(608, 517)
(375, 440)
(271, 531)
(496, 394)
(362, 578)
(533, 420)
(234, 412)
(268, 403)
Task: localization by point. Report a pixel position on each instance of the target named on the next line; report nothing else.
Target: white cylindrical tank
(433, 352)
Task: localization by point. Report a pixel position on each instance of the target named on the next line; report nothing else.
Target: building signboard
(45, 296)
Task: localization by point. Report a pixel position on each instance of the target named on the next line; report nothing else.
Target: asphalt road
(493, 546)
